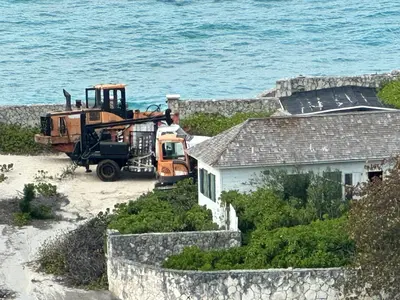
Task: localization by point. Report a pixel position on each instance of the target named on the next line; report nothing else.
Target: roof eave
(298, 163)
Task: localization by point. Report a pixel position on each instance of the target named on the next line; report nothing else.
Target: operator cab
(110, 98)
(173, 150)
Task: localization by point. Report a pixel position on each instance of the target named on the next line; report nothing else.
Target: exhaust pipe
(78, 104)
(67, 96)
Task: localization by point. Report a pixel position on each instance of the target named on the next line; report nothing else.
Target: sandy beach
(87, 195)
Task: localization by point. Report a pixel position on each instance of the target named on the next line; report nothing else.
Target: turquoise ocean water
(198, 49)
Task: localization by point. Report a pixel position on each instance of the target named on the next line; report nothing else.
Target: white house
(354, 143)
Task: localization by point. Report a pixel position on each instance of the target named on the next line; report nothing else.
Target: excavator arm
(88, 137)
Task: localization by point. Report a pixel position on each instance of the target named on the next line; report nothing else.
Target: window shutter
(206, 184)
(201, 175)
(212, 184)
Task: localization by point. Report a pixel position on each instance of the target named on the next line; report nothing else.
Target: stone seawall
(153, 248)
(269, 99)
(26, 115)
(227, 107)
(29, 115)
(286, 87)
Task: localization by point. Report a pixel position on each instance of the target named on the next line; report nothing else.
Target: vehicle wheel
(108, 170)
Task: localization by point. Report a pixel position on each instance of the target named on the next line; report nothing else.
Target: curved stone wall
(130, 280)
(153, 248)
(134, 272)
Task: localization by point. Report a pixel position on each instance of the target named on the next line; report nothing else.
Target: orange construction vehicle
(104, 103)
(147, 145)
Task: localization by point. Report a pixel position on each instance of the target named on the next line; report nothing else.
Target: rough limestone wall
(287, 87)
(153, 248)
(226, 107)
(129, 280)
(26, 115)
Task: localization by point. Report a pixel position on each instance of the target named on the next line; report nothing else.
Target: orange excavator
(104, 103)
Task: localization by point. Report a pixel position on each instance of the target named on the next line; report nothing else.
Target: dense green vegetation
(15, 139)
(390, 93)
(79, 255)
(163, 211)
(212, 124)
(319, 244)
(299, 222)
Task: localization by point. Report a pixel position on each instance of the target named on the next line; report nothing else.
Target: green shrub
(321, 244)
(36, 210)
(212, 124)
(182, 198)
(148, 215)
(264, 208)
(41, 212)
(46, 189)
(2, 177)
(192, 258)
(198, 219)
(21, 219)
(319, 194)
(4, 169)
(29, 195)
(15, 139)
(390, 93)
(163, 211)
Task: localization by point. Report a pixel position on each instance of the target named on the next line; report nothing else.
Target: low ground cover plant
(4, 168)
(15, 139)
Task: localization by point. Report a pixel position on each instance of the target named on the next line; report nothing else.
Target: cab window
(90, 98)
(173, 150)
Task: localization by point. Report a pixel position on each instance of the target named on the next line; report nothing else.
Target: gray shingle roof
(303, 140)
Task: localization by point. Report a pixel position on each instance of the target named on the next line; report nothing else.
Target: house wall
(221, 213)
(240, 178)
(218, 212)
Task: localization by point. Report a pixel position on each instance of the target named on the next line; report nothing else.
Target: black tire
(108, 170)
